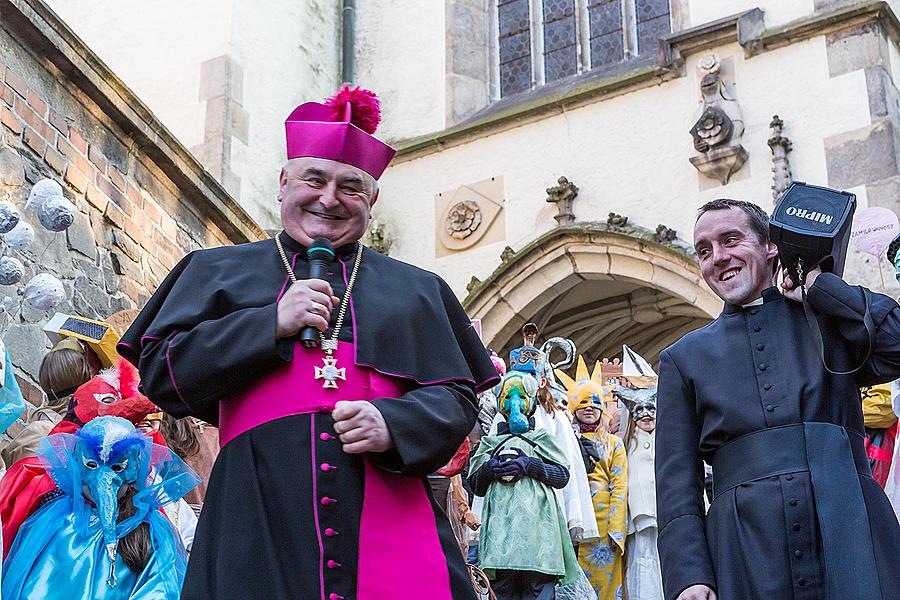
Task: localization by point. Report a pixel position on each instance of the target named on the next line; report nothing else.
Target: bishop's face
(325, 198)
(735, 264)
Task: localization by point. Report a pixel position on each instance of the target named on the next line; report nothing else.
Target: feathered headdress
(112, 392)
(340, 129)
(586, 389)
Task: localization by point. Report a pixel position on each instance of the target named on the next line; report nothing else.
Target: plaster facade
(222, 76)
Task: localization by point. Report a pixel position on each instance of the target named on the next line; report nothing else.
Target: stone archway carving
(599, 285)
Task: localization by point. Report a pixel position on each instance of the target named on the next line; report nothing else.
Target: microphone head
(321, 249)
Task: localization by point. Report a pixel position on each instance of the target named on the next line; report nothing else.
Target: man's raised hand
(792, 291)
(307, 302)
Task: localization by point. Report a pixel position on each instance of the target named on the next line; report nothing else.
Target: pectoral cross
(330, 373)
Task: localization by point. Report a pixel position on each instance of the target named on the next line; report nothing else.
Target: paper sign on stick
(873, 229)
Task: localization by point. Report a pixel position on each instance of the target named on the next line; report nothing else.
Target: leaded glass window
(607, 32)
(560, 39)
(653, 22)
(514, 20)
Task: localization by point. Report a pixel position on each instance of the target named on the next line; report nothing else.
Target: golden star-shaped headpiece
(586, 389)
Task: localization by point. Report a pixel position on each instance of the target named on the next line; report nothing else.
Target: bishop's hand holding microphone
(306, 306)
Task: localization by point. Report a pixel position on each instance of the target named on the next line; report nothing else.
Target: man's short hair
(759, 220)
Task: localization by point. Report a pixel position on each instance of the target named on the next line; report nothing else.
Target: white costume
(643, 578)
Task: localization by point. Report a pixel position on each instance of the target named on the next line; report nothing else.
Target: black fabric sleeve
(548, 473)
(481, 479)
(187, 372)
(427, 426)
(840, 307)
(683, 551)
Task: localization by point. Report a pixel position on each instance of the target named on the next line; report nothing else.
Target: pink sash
(400, 554)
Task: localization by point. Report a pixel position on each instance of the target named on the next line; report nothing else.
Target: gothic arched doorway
(597, 285)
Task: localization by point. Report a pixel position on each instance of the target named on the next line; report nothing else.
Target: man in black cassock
(796, 513)
(319, 491)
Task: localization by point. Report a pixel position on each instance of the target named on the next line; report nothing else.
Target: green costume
(523, 527)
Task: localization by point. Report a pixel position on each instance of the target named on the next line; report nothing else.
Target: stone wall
(143, 202)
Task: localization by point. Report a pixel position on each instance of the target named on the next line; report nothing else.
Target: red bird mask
(112, 392)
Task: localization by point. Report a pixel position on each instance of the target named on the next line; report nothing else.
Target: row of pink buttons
(326, 501)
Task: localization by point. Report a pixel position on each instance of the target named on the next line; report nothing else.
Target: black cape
(751, 369)
(224, 299)
(210, 330)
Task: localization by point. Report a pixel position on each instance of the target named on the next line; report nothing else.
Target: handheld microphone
(321, 255)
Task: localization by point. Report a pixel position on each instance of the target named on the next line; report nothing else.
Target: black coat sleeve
(683, 551)
(482, 479)
(840, 308)
(427, 426)
(203, 335)
(547, 472)
(188, 371)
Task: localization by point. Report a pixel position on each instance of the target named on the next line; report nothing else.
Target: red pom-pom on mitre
(365, 109)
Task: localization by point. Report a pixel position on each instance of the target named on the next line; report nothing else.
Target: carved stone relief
(563, 195)
(468, 216)
(719, 126)
(781, 166)
(377, 238)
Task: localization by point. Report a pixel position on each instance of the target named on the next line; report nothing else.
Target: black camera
(811, 226)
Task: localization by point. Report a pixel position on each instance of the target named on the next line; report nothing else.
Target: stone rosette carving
(463, 219)
(616, 220)
(664, 234)
(712, 129)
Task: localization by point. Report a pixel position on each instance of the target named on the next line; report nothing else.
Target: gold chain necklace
(329, 372)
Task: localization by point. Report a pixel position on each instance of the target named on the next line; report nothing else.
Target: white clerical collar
(756, 302)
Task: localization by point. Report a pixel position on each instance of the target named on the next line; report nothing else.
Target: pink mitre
(340, 129)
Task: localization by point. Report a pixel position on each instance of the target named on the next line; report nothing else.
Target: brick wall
(145, 242)
(143, 202)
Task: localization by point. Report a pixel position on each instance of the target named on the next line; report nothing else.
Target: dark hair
(134, 547)
(180, 435)
(759, 220)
